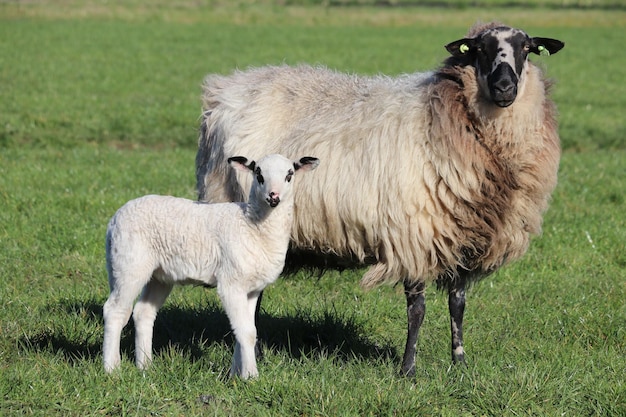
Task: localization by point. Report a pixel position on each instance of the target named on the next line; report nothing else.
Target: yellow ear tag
(543, 51)
(463, 48)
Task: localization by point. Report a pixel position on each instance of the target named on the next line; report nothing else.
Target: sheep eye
(526, 47)
(289, 176)
(259, 177)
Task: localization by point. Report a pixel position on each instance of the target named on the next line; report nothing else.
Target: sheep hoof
(458, 355)
(407, 371)
(205, 399)
(459, 360)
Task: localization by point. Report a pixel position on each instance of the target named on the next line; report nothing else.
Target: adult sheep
(439, 176)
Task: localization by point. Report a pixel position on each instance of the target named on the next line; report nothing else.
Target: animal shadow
(300, 334)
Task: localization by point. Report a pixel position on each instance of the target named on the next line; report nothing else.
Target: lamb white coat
(155, 242)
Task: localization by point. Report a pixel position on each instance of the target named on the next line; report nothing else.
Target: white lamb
(154, 242)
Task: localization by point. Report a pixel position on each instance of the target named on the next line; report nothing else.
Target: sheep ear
(461, 47)
(545, 46)
(307, 163)
(241, 163)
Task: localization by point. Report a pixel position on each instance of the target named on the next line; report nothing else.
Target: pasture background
(99, 103)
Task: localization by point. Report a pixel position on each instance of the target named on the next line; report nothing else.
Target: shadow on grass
(301, 334)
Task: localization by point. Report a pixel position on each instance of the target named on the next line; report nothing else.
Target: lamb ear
(306, 163)
(461, 47)
(545, 46)
(241, 163)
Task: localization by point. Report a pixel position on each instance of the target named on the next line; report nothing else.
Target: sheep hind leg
(125, 287)
(258, 349)
(416, 309)
(116, 314)
(456, 306)
(152, 298)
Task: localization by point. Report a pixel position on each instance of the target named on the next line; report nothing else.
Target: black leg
(456, 305)
(415, 309)
(258, 350)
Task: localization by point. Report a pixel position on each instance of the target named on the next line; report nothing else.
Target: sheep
(450, 171)
(155, 242)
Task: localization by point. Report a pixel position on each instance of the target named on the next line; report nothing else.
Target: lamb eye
(289, 176)
(259, 177)
(526, 47)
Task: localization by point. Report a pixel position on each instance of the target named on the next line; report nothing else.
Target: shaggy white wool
(392, 184)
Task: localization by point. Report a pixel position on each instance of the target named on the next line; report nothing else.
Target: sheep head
(273, 175)
(500, 56)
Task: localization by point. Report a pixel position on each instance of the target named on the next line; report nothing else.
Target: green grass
(133, 76)
(99, 104)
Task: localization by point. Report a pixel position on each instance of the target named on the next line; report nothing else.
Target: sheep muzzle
(503, 85)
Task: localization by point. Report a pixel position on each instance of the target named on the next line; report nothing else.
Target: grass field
(99, 103)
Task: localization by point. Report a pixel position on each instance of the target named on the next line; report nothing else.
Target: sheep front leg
(240, 309)
(456, 306)
(416, 309)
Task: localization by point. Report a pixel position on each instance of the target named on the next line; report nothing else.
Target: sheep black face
(500, 57)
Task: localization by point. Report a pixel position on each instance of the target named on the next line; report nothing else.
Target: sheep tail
(382, 273)
(215, 181)
(374, 276)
